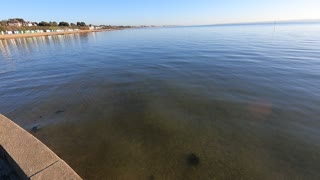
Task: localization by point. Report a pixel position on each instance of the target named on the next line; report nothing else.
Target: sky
(160, 12)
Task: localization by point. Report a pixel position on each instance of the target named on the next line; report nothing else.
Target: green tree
(17, 19)
(64, 24)
(20, 20)
(54, 23)
(43, 23)
(81, 24)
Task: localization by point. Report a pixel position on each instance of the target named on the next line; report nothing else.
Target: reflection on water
(171, 103)
(27, 45)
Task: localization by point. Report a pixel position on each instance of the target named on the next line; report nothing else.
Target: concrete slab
(29, 156)
(59, 170)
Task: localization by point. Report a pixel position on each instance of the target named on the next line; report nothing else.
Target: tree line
(62, 23)
(43, 23)
(51, 25)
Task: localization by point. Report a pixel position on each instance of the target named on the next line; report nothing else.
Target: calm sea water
(221, 102)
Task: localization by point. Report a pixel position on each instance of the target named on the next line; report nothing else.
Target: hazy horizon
(176, 12)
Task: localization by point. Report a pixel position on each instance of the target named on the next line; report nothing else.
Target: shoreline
(15, 36)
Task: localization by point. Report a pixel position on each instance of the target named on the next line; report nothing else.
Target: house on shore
(18, 22)
(28, 24)
(91, 27)
(15, 23)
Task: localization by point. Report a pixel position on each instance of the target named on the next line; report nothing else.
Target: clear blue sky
(160, 12)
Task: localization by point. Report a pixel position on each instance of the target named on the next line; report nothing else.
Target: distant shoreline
(15, 36)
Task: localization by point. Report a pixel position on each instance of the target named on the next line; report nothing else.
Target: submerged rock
(193, 160)
(35, 128)
(59, 111)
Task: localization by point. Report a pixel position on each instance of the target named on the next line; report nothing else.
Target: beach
(14, 36)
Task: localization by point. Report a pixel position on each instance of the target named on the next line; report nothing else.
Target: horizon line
(255, 22)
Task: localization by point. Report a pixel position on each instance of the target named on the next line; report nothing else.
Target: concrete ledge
(29, 157)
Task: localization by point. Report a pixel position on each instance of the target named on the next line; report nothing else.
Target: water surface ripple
(220, 102)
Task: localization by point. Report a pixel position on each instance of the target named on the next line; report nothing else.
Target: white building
(15, 23)
(29, 24)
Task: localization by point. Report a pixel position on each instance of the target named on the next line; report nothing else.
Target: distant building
(29, 24)
(15, 23)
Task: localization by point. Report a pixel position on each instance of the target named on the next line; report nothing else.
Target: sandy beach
(13, 36)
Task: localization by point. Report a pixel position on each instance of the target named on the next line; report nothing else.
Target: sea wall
(28, 157)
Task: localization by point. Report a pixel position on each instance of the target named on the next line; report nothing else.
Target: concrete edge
(28, 156)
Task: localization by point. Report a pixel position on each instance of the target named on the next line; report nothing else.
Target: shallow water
(219, 102)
